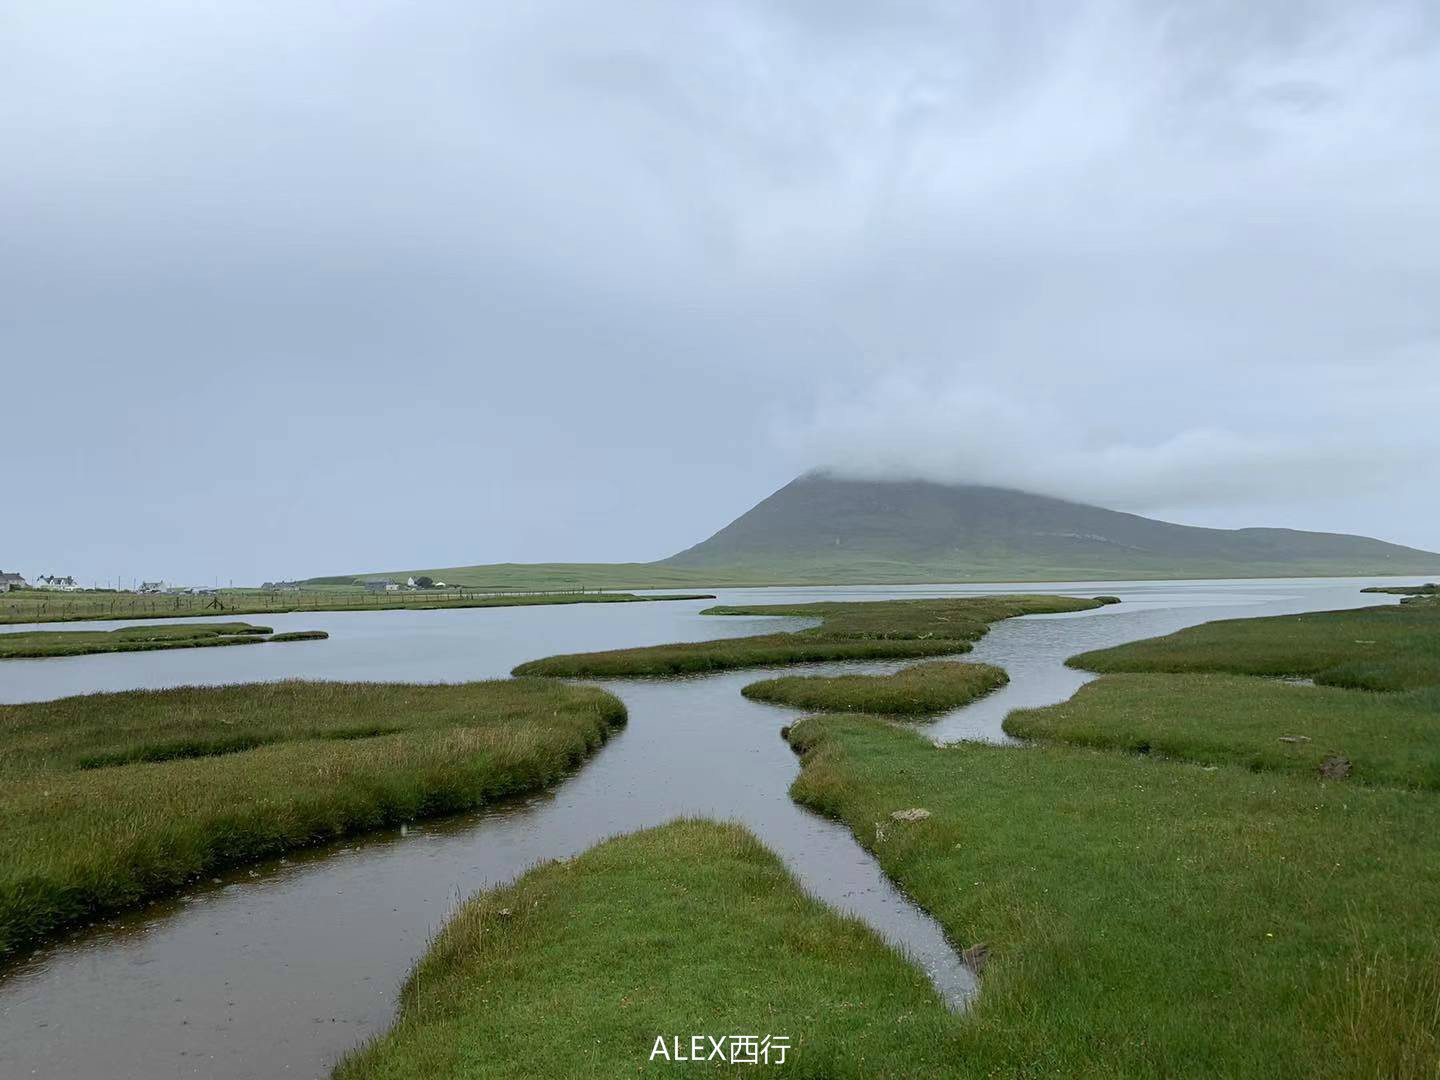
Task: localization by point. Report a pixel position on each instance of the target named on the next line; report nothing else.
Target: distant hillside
(966, 531)
(820, 529)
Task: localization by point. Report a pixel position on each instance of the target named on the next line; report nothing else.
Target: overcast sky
(289, 288)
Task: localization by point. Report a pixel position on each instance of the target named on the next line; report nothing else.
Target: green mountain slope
(823, 529)
(823, 520)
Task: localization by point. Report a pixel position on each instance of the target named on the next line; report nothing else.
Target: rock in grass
(976, 957)
(915, 813)
(1335, 767)
(1294, 738)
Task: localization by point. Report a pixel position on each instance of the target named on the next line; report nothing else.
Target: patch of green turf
(689, 929)
(1148, 918)
(109, 800)
(1379, 648)
(1258, 723)
(42, 643)
(1428, 589)
(880, 629)
(918, 690)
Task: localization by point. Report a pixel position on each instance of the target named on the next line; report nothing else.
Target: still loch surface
(280, 968)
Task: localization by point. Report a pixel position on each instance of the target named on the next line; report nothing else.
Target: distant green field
(900, 570)
(43, 643)
(35, 606)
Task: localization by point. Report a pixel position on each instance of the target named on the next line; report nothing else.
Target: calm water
(279, 969)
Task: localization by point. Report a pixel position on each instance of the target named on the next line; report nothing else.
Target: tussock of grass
(1380, 648)
(919, 690)
(692, 928)
(1389, 738)
(300, 635)
(1149, 918)
(882, 629)
(1384, 1011)
(1428, 589)
(112, 799)
(41, 643)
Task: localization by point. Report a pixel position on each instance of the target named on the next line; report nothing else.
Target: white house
(10, 581)
(59, 584)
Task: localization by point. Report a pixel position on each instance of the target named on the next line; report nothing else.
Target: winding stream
(280, 968)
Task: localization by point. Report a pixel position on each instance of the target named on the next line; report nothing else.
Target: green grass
(1148, 918)
(1428, 589)
(109, 800)
(1379, 648)
(693, 928)
(37, 606)
(41, 643)
(918, 690)
(300, 635)
(1389, 738)
(881, 629)
(901, 567)
(1196, 695)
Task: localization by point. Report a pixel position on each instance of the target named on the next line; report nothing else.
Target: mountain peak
(821, 523)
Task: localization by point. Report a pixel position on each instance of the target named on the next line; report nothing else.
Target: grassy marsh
(37, 606)
(1428, 589)
(873, 630)
(919, 690)
(689, 928)
(42, 643)
(1380, 648)
(113, 799)
(1150, 918)
(1197, 695)
(1391, 738)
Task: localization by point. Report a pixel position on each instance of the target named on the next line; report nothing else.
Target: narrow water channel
(279, 969)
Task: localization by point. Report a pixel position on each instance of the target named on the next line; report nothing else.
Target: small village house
(10, 581)
(56, 583)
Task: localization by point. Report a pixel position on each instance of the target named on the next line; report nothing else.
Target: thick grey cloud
(325, 286)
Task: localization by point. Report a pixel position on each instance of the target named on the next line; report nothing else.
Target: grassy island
(109, 800)
(918, 690)
(42, 643)
(870, 630)
(688, 929)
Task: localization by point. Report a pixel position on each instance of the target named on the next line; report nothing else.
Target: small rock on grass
(915, 813)
(976, 957)
(1294, 738)
(1335, 767)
